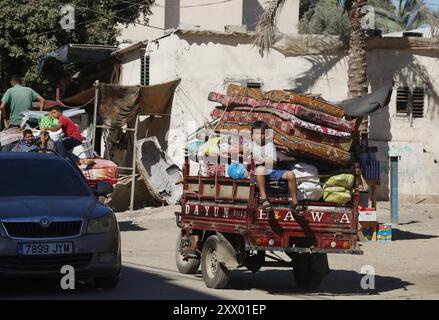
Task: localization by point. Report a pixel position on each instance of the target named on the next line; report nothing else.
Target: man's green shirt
(19, 99)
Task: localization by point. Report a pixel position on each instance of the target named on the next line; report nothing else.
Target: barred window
(249, 83)
(255, 85)
(410, 101)
(144, 70)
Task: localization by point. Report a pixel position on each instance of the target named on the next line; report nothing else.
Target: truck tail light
(266, 242)
(336, 244)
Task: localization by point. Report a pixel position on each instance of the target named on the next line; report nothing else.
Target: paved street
(407, 268)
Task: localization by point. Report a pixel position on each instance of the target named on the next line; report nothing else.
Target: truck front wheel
(185, 265)
(215, 274)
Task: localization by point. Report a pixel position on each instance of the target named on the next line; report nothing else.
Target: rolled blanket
(285, 96)
(308, 114)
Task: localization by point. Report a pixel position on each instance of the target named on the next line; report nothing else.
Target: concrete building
(206, 14)
(208, 60)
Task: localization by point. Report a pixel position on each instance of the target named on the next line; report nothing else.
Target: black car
(50, 217)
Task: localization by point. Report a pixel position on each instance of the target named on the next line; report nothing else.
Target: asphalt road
(407, 268)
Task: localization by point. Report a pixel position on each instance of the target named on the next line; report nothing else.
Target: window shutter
(402, 100)
(144, 71)
(410, 100)
(418, 102)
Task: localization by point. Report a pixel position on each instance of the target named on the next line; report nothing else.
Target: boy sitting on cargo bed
(265, 157)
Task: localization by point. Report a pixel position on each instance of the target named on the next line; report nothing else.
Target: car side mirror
(103, 188)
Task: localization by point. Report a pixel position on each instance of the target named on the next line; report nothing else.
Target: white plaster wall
(212, 17)
(130, 68)
(169, 14)
(416, 145)
(139, 32)
(288, 20)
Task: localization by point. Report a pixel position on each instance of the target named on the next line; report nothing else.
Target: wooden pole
(394, 189)
(95, 114)
(133, 174)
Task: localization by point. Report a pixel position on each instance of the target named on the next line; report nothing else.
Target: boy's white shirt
(263, 153)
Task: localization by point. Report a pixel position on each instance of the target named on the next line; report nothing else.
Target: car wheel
(188, 265)
(215, 274)
(109, 282)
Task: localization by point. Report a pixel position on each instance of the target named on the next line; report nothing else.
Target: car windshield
(40, 177)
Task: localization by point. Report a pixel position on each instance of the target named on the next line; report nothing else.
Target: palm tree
(357, 66)
(405, 15)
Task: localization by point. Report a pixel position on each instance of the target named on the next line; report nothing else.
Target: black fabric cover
(367, 104)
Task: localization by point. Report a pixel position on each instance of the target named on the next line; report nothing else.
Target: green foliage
(326, 17)
(306, 5)
(404, 15)
(329, 16)
(31, 28)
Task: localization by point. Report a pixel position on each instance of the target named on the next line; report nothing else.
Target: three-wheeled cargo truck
(222, 220)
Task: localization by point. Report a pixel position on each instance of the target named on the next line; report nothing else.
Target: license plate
(41, 248)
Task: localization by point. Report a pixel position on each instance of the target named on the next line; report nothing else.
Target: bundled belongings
(9, 136)
(303, 126)
(338, 189)
(308, 182)
(100, 170)
(313, 132)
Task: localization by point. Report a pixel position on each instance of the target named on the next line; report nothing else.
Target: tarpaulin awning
(80, 99)
(367, 104)
(82, 53)
(118, 104)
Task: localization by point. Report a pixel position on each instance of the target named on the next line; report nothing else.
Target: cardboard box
(384, 233)
(367, 231)
(368, 215)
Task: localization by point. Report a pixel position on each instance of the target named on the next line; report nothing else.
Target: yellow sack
(341, 180)
(334, 189)
(337, 197)
(210, 148)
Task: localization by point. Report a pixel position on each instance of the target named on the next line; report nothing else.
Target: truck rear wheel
(215, 274)
(307, 277)
(185, 265)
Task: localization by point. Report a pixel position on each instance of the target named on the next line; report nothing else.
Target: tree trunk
(357, 64)
(357, 72)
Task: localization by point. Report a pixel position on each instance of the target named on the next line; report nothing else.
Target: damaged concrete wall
(415, 143)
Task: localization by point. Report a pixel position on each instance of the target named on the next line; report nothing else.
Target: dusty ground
(407, 268)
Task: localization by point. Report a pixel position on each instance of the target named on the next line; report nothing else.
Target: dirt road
(407, 268)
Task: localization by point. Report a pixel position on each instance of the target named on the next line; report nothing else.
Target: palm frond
(266, 26)
(430, 18)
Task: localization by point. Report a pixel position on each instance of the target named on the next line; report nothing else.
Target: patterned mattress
(276, 118)
(304, 113)
(286, 96)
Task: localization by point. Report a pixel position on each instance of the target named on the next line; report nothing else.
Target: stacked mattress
(302, 125)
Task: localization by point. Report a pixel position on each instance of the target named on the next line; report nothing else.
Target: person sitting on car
(27, 143)
(265, 158)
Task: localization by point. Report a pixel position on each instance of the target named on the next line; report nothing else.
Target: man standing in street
(19, 98)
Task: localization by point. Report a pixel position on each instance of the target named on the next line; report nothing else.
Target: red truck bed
(222, 215)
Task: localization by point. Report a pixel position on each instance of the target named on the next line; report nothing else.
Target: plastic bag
(47, 122)
(308, 182)
(337, 197)
(341, 180)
